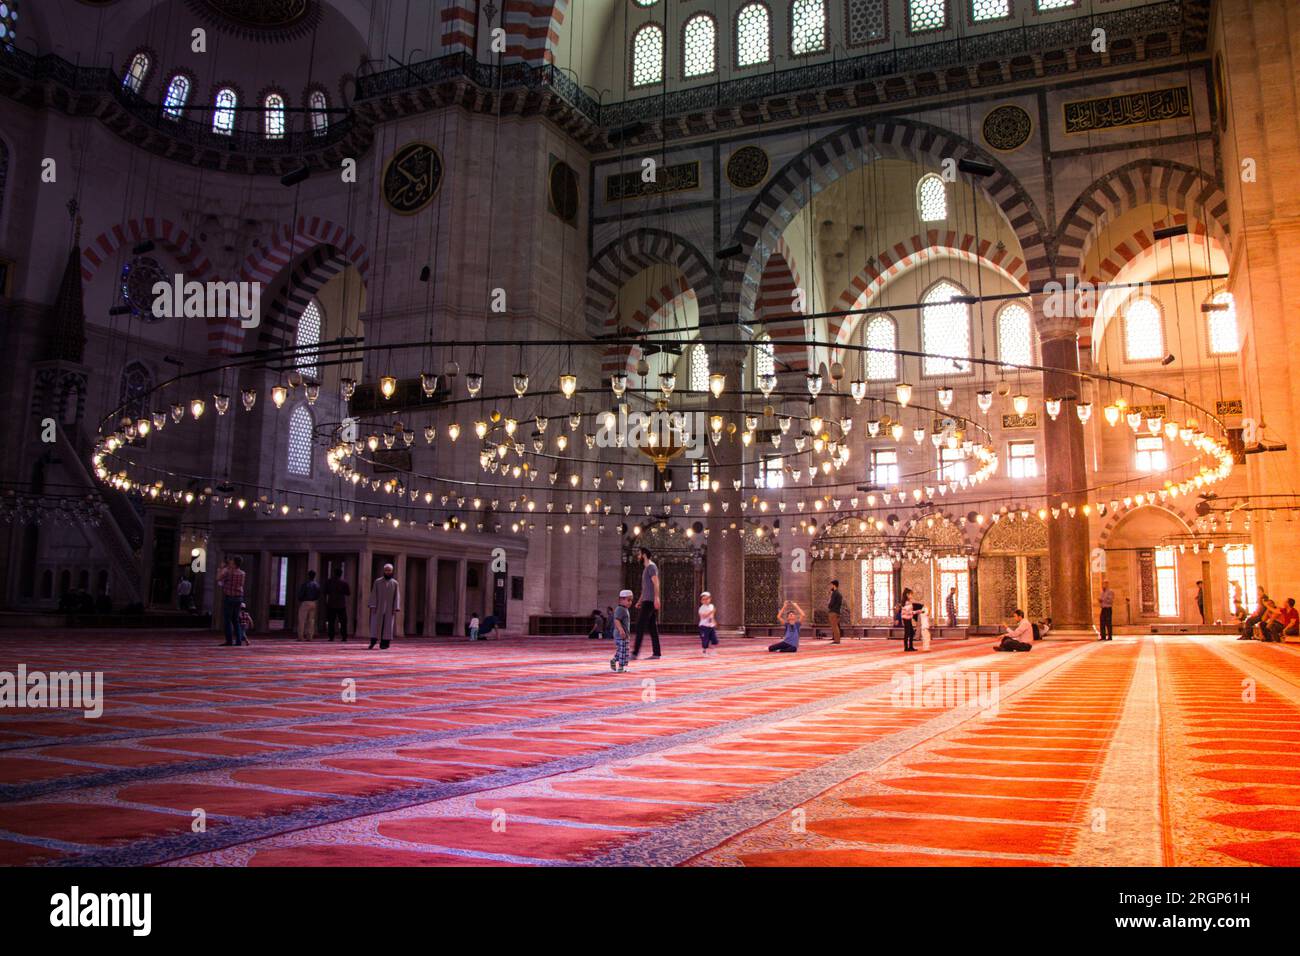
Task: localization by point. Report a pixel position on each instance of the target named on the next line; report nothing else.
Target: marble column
(399, 572)
(462, 579)
(364, 582)
(1067, 475)
(726, 552)
(430, 596)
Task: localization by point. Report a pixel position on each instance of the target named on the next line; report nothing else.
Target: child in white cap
(708, 622)
(622, 627)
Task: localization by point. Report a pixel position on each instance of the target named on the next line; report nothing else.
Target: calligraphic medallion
(1007, 127)
(412, 178)
(748, 167)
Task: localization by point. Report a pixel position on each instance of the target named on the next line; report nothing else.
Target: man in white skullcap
(385, 602)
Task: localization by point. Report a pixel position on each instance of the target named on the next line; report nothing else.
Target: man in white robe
(385, 602)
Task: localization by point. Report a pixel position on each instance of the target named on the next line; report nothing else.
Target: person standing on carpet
(308, 602)
(792, 617)
(1200, 600)
(245, 624)
(708, 622)
(923, 621)
(647, 615)
(473, 628)
(951, 608)
(385, 602)
(336, 604)
(230, 582)
(622, 631)
(908, 614)
(1106, 600)
(833, 608)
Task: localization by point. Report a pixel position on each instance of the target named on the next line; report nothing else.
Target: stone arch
(958, 523)
(294, 292)
(841, 152)
(1161, 181)
(1117, 518)
(780, 280)
(624, 258)
(286, 244)
(648, 317)
(187, 252)
(889, 264)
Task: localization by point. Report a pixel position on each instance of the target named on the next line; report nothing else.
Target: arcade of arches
(982, 303)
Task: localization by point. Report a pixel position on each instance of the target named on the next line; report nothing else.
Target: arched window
(319, 104)
(807, 27)
(923, 15)
(136, 73)
(1144, 334)
(223, 114)
(8, 22)
(300, 429)
(648, 55)
(699, 46)
(1222, 317)
(931, 199)
(753, 35)
(273, 116)
(765, 356)
(699, 368)
(881, 333)
(945, 330)
(309, 328)
(178, 94)
(1015, 335)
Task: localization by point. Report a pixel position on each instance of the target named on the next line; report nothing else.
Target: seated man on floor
(1248, 625)
(791, 616)
(1018, 635)
(1290, 619)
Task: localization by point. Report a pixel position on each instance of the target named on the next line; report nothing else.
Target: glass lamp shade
(562, 442)
(717, 384)
(575, 421)
(178, 412)
(918, 435)
(542, 421)
(480, 429)
(510, 426)
(897, 431)
(816, 423)
(767, 383)
(430, 433)
(1020, 403)
(347, 388)
(945, 396)
(197, 407)
(568, 384)
(846, 426)
(903, 392)
(1134, 420)
(715, 423)
(220, 402)
(1084, 411)
(453, 431)
(1112, 414)
(1171, 430)
(814, 384)
(428, 383)
(858, 389)
(160, 420)
(618, 383)
(279, 395)
(667, 382)
(474, 383)
(143, 427)
(873, 427)
(1053, 406)
(312, 392)
(389, 440)
(984, 398)
(1155, 424)
(520, 382)
(387, 386)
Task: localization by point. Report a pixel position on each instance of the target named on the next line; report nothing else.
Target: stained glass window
(178, 94)
(8, 22)
(309, 327)
(648, 55)
(927, 15)
(300, 428)
(699, 368)
(699, 46)
(320, 118)
(945, 331)
(1223, 324)
(273, 116)
(753, 35)
(982, 11)
(223, 117)
(807, 27)
(931, 199)
(135, 75)
(1015, 335)
(866, 21)
(1144, 334)
(881, 333)
(765, 356)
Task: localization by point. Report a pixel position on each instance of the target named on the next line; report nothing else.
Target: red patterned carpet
(1157, 751)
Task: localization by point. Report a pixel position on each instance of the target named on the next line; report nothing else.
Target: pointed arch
(624, 258)
(187, 252)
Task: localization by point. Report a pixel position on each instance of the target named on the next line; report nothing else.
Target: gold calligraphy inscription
(668, 179)
(412, 178)
(1128, 109)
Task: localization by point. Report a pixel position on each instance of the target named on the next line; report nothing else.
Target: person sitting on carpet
(473, 628)
(597, 625)
(1290, 619)
(792, 617)
(1017, 637)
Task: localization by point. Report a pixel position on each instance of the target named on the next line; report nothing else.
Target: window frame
(264, 103)
(950, 372)
(150, 61)
(177, 113)
(997, 325)
(233, 109)
(826, 31)
(663, 56)
(314, 367)
(1149, 453)
(735, 37)
(970, 15)
(289, 443)
(313, 111)
(875, 467)
(1209, 326)
(858, 46)
(957, 463)
(920, 184)
(907, 15)
(1160, 326)
(1013, 458)
(866, 329)
(689, 19)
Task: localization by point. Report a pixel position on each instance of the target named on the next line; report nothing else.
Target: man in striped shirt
(230, 581)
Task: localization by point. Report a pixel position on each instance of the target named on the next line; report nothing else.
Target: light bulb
(897, 431)
(373, 442)
(715, 423)
(903, 392)
(480, 429)
(511, 425)
(453, 431)
(1112, 414)
(568, 384)
(143, 426)
(387, 386)
(196, 407)
(1020, 403)
(717, 383)
(279, 395)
